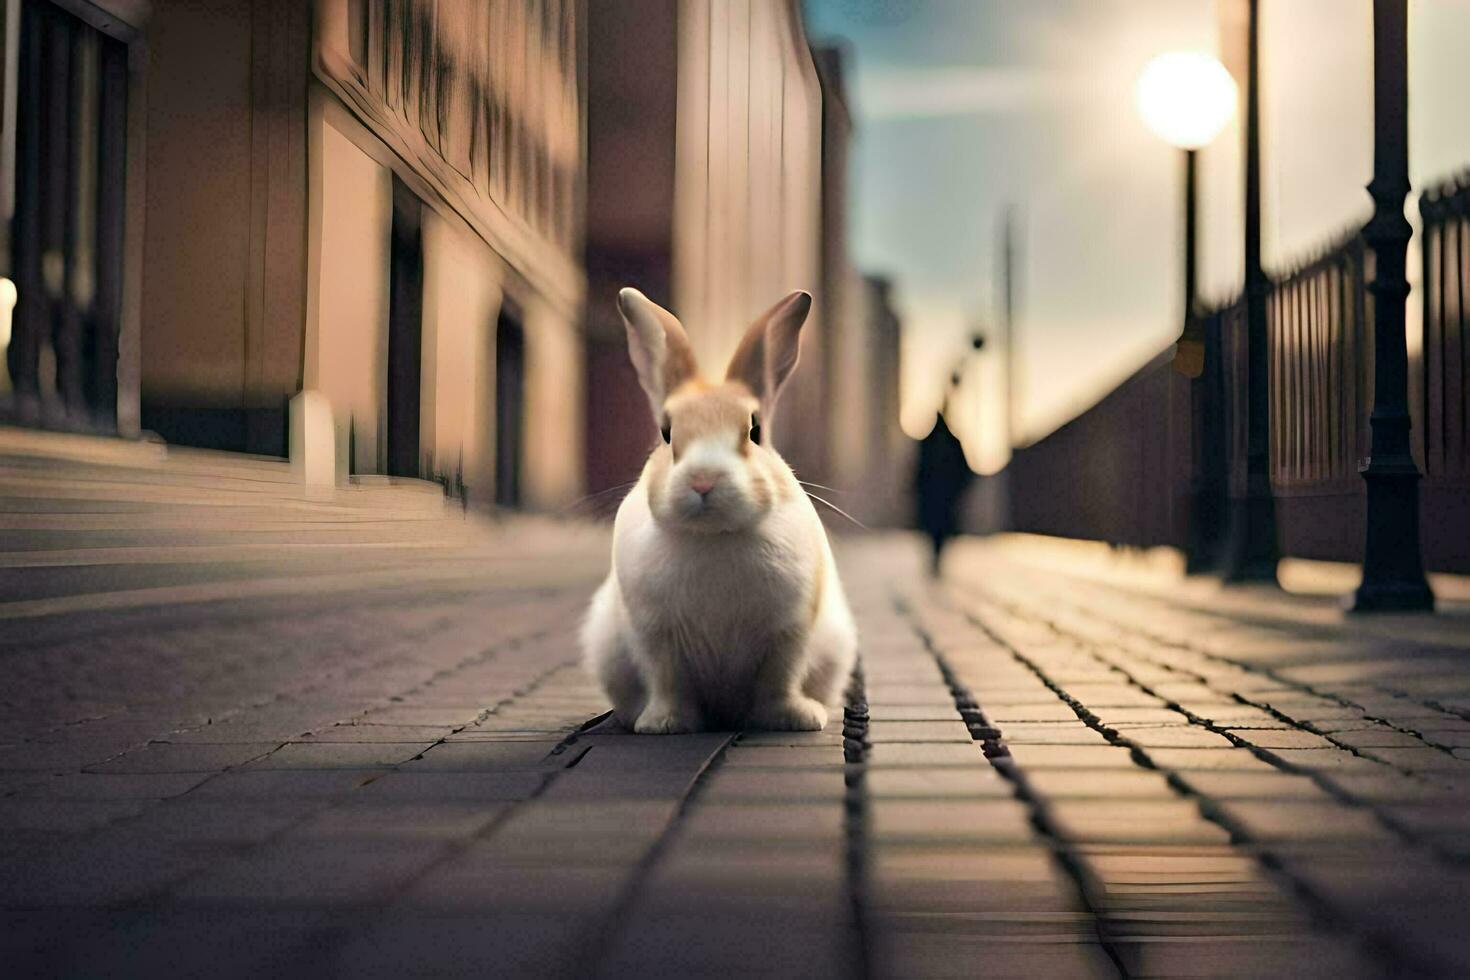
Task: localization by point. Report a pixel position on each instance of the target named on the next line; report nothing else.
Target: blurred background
(382, 238)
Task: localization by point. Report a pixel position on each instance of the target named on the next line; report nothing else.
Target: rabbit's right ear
(657, 345)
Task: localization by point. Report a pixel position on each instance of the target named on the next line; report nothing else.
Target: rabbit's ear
(657, 345)
(768, 352)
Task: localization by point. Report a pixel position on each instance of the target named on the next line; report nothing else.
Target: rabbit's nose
(703, 483)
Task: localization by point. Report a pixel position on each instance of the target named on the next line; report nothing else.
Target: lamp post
(1186, 98)
(1393, 569)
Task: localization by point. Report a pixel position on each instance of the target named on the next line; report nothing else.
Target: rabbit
(723, 608)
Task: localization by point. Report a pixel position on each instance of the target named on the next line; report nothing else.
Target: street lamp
(1186, 98)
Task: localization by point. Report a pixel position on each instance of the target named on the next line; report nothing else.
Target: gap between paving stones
(1063, 850)
(1383, 946)
(855, 815)
(1094, 611)
(602, 937)
(1319, 777)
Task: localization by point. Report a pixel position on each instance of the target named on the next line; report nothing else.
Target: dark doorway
(66, 234)
(510, 407)
(405, 332)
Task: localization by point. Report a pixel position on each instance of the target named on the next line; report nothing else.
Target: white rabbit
(723, 608)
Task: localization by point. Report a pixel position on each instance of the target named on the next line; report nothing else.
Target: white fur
(710, 616)
(691, 630)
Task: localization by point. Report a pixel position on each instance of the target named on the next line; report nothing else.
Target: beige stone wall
(350, 219)
(555, 376)
(500, 224)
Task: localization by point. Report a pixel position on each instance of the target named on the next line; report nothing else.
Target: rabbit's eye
(667, 431)
(755, 429)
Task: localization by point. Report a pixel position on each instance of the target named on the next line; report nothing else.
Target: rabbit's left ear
(770, 348)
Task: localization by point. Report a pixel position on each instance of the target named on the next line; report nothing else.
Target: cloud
(927, 93)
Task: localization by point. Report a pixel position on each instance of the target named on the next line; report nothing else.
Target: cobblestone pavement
(246, 732)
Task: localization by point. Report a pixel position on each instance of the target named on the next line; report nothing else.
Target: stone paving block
(772, 943)
(1327, 823)
(317, 873)
(1423, 759)
(585, 784)
(646, 753)
(212, 820)
(1029, 757)
(1140, 821)
(953, 730)
(1243, 956)
(340, 755)
(901, 953)
(941, 782)
(437, 715)
(782, 757)
(478, 881)
(1111, 696)
(186, 757)
(743, 784)
(912, 712)
(932, 695)
(1283, 738)
(1177, 737)
(795, 824)
(945, 821)
(1380, 738)
(487, 756)
(177, 943)
(1211, 760)
(101, 872)
(796, 739)
(354, 819)
(436, 787)
(1005, 713)
(65, 816)
(970, 881)
(1052, 733)
(117, 786)
(428, 944)
(59, 757)
(1328, 761)
(1098, 783)
(927, 754)
(1253, 784)
(379, 733)
(739, 878)
(284, 784)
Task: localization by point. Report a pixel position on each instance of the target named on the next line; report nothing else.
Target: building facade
(717, 183)
(376, 200)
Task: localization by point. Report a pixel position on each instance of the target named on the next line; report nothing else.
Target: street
(252, 731)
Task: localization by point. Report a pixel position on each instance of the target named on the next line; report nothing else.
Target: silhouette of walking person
(940, 481)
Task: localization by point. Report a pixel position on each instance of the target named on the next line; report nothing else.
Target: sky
(967, 108)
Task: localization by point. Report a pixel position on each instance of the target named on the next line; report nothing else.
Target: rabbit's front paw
(794, 714)
(658, 719)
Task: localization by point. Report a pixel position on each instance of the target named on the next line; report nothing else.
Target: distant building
(717, 183)
(214, 206)
(704, 190)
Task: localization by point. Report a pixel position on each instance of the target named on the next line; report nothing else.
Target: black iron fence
(1155, 461)
(1445, 247)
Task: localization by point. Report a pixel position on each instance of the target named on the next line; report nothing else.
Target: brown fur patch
(699, 409)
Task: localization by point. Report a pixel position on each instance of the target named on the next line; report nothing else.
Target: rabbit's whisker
(820, 486)
(837, 509)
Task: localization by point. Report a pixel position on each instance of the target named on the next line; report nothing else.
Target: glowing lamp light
(1185, 98)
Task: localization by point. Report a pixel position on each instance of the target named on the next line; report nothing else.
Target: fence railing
(1321, 372)
(1156, 461)
(1445, 248)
